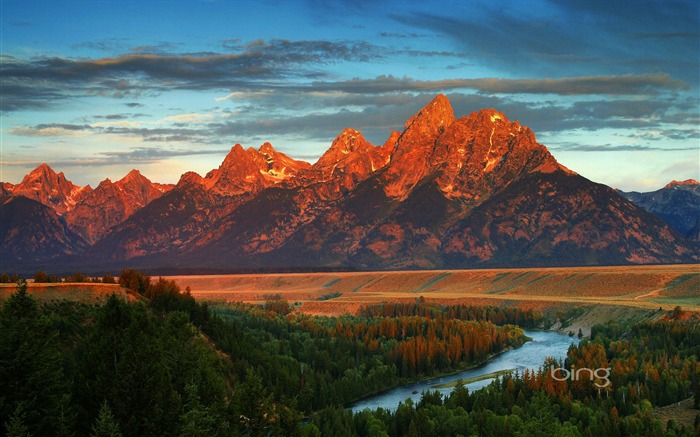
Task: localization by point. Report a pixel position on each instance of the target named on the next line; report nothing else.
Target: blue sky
(96, 88)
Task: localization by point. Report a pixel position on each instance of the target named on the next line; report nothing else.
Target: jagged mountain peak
(470, 156)
(413, 148)
(348, 142)
(52, 189)
(104, 183)
(675, 183)
(445, 192)
(349, 160)
(42, 173)
(427, 123)
(133, 174)
(190, 178)
(436, 114)
(249, 171)
(111, 203)
(267, 149)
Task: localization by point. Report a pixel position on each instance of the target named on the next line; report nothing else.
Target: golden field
(85, 292)
(645, 287)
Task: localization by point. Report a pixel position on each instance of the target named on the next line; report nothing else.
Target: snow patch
(495, 117)
(491, 163)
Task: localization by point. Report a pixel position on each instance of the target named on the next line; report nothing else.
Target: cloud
(189, 118)
(245, 95)
(666, 134)
(50, 130)
(580, 38)
(176, 132)
(629, 84)
(39, 81)
(153, 154)
(160, 48)
(410, 35)
(573, 147)
(114, 123)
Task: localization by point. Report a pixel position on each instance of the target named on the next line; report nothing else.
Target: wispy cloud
(152, 154)
(617, 148)
(50, 130)
(580, 37)
(628, 84)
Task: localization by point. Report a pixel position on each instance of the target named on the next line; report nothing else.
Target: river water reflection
(529, 356)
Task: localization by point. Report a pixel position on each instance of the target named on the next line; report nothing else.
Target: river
(531, 355)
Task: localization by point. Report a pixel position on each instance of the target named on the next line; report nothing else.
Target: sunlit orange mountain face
(446, 192)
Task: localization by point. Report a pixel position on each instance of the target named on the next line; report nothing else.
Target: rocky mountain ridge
(677, 203)
(445, 192)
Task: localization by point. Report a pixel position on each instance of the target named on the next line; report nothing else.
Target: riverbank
(530, 355)
(591, 315)
(491, 375)
(438, 375)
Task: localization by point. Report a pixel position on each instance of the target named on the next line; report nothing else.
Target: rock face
(245, 172)
(193, 207)
(31, 231)
(415, 147)
(473, 191)
(678, 204)
(446, 192)
(111, 203)
(50, 188)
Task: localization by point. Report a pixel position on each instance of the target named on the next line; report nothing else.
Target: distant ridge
(678, 204)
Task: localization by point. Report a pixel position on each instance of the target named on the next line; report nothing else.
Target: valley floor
(643, 287)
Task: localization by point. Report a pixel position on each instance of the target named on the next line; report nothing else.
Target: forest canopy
(169, 365)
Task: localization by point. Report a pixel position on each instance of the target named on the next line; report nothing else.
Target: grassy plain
(608, 292)
(617, 287)
(85, 292)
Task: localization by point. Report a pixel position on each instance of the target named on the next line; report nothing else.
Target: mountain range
(446, 192)
(678, 204)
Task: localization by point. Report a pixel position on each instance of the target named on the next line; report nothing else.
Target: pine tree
(255, 404)
(105, 425)
(196, 420)
(31, 369)
(15, 425)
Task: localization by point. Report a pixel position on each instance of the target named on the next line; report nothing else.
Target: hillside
(89, 293)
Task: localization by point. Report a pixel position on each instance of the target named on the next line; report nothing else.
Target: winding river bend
(531, 355)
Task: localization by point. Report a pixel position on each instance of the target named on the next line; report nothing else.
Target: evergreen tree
(105, 425)
(32, 378)
(196, 420)
(255, 405)
(15, 425)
